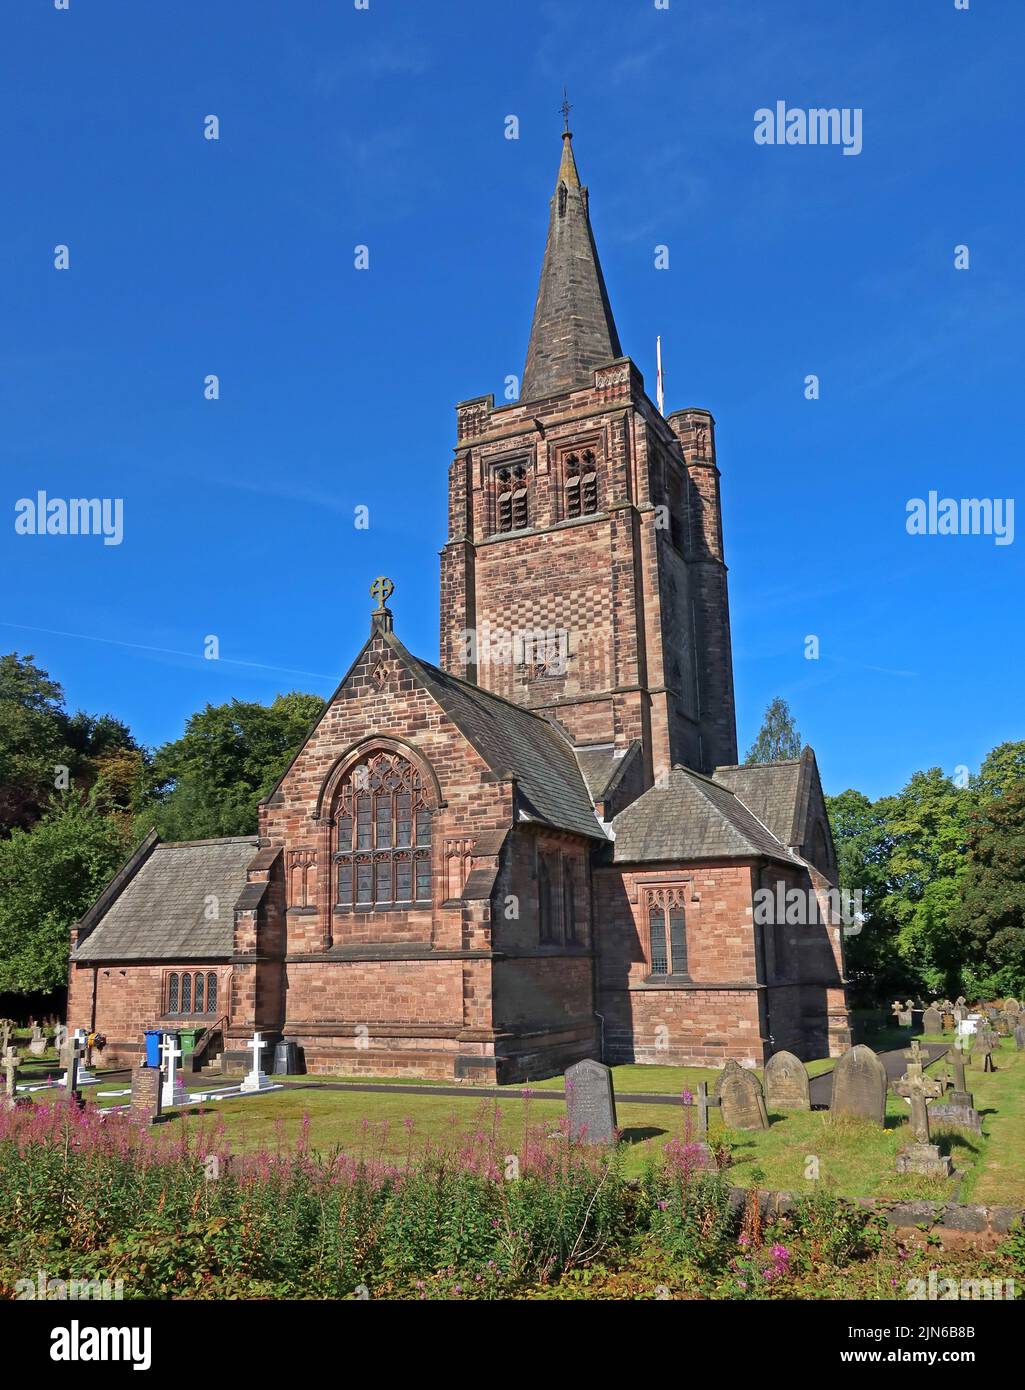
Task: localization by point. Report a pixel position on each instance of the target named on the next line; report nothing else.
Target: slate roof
(687, 816)
(773, 793)
(161, 912)
(514, 742)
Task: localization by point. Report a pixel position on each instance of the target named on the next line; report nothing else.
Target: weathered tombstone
(957, 1106)
(859, 1085)
(1019, 1037)
(10, 1065)
(704, 1102)
(948, 1021)
(932, 1021)
(37, 1042)
(590, 1102)
(146, 1097)
(6, 1029)
(982, 1052)
(741, 1099)
(60, 1037)
(786, 1083)
(72, 1054)
(1004, 1025)
(921, 1156)
(1011, 1006)
(905, 1018)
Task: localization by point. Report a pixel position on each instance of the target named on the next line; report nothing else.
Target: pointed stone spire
(573, 330)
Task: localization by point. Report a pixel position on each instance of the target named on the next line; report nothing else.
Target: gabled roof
(162, 911)
(514, 742)
(573, 329)
(779, 794)
(686, 817)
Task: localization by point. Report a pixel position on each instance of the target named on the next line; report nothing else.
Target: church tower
(583, 574)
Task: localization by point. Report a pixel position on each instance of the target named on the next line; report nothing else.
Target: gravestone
(921, 1156)
(69, 1082)
(590, 1103)
(786, 1083)
(146, 1097)
(173, 1092)
(957, 1106)
(1004, 1025)
(948, 1021)
(932, 1021)
(10, 1066)
(859, 1085)
(1019, 1037)
(740, 1098)
(982, 1052)
(37, 1042)
(257, 1080)
(60, 1036)
(6, 1029)
(1011, 1006)
(704, 1102)
(905, 1018)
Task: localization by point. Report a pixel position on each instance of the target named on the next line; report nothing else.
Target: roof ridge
(216, 840)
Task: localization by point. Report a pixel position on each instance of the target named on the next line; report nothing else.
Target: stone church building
(541, 848)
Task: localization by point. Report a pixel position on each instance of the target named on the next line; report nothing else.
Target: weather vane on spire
(565, 108)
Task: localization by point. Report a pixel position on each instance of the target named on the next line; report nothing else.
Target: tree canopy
(778, 738)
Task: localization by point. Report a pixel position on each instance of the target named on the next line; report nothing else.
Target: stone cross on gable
(919, 1089)
(382, 589)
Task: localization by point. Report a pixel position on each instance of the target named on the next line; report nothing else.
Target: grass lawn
(850, 1156)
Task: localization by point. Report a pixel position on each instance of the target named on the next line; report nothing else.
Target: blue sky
(386, 127)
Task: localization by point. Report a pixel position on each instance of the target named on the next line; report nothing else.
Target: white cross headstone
(85, 1076)
(172, 1092)
(256, 1079)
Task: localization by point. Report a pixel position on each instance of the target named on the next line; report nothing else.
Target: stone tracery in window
(382, 830)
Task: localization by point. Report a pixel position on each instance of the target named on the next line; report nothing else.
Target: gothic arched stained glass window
(667, 931)
(382, 851)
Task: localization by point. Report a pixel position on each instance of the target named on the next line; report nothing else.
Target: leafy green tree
(210, 781)
(1001, 769)
(33, 740)
(863, 845)
(49, 876)
(43, 750)
(778, 738)
(988, 924)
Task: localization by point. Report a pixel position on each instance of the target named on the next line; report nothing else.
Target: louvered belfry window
(382, 852)
(667, 931)
(581, 484)
(512, 502)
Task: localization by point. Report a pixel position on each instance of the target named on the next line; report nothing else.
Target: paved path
(819, 1087)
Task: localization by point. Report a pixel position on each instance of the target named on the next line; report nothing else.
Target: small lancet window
(562, 200)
